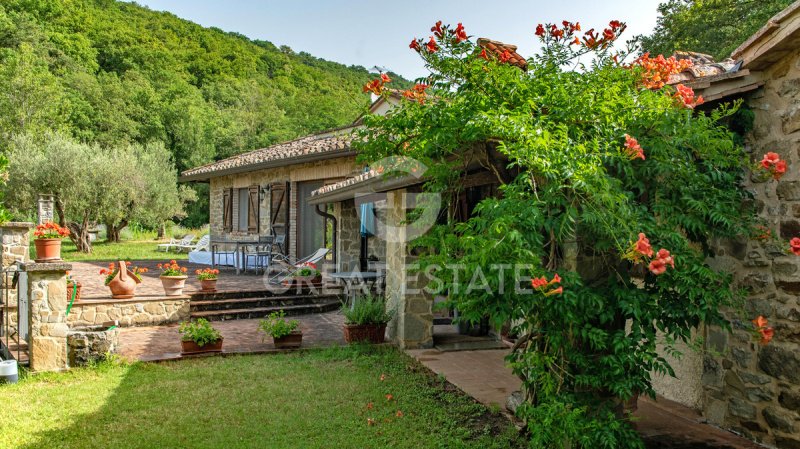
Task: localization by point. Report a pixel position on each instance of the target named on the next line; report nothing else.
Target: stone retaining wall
(129, 312)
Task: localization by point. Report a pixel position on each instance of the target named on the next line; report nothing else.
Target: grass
(314, 399)
(124, 250)
(136, 244)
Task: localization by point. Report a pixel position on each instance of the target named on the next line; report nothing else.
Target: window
(244, 209)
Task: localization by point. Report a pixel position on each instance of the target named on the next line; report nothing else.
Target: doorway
(310, 225)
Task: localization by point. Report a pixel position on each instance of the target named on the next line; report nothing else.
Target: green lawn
(124, 250)
(314, 399)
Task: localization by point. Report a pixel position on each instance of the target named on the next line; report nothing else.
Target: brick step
(265, 292)
(261, 312)
(249, 303)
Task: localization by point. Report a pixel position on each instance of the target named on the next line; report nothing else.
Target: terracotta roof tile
(702, 66)
(321, 145)
(498, 48)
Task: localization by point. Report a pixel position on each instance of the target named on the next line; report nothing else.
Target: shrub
(367, 309)
(276, 326)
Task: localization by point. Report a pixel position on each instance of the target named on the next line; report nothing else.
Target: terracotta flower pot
(208, 285)
(173, 285)
(47, 250)
(77, 291)
(372, 333)
(291, 341)
(124, 283)
(190, 347)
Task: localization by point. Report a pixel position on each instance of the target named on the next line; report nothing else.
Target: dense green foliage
(308, 399)
(576, 193)
(714, 27)
(115, 73)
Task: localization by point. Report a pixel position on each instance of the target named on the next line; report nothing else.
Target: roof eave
(377, 184)
(779, 31)
(315, 157)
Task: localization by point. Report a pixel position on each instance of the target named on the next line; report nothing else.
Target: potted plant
(47, 240)
(173, 278)
(199, 337)
(365, 319)
(73, 287)
(208, 279)
(285, 333)
(122, 279)
(307, 274)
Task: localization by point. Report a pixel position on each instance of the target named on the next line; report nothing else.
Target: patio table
(353, 278)
(240, 259)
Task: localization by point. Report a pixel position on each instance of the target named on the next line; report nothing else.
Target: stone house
(737, 383)
(265, 192)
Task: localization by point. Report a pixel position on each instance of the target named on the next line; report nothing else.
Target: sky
(374, 33)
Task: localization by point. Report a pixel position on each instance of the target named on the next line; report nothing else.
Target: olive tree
(91, 184)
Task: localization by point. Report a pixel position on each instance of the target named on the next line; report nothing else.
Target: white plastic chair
(201, 245)
(186, 240)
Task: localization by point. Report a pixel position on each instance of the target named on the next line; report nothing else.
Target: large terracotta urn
(124, 283)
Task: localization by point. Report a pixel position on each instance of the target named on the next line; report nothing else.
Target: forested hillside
(113, 73)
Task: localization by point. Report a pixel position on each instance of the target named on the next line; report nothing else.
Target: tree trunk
(161, 231)
(113, 231)
(79, 234)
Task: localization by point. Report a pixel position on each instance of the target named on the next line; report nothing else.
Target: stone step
(260, 302)
(262, 312)
(265, 292)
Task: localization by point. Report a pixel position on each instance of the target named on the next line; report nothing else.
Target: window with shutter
(227, 210)
(253, 210)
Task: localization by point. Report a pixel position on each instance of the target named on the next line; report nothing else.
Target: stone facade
(129, 312)
(325, 170)
(751, 388)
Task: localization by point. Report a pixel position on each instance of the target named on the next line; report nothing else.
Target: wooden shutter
(253, 209)
(279, 210)
(227, 210)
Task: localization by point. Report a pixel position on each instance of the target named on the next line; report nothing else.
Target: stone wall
(91, 344)
(349, 236)
(328, 170)
(751, 388)
(15, 242)
(129, 312)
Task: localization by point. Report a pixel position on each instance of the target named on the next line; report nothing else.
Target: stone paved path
(664, 424)
(87, 273)
(163, 342)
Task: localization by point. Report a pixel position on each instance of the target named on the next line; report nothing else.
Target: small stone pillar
(412, 326)
(47, 293)
(45, 204)
(15, 241)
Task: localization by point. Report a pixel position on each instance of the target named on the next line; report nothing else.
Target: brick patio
(93, 288)
(241, 336)
(664, 424)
